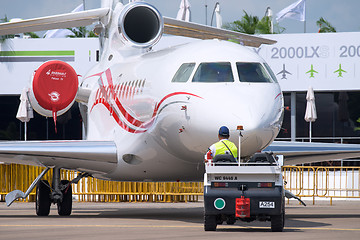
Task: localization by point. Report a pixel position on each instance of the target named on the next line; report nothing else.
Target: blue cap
(224, 131)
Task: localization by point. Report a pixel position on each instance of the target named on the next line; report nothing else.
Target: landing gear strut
(60, 193)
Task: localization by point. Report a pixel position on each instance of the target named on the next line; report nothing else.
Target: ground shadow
(187, 214)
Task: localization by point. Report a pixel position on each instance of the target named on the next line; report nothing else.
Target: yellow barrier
(323, 182)
(313, 182)
(89, 189)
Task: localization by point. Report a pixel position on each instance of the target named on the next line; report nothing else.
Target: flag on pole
(294, 11)
(62, 33)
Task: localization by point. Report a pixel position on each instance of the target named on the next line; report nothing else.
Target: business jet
(149, 115)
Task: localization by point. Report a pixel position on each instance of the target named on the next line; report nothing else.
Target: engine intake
(53, 88)
(141, 25)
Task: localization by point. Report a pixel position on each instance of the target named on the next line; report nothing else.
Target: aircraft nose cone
(253, 107)
(258, 110)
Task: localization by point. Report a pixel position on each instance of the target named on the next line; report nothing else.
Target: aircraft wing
(82, 155)
(194, 30)
(76, 19)
(171, 26)
(305, 152)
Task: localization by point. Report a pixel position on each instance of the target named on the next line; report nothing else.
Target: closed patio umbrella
(184, 11)
(25, 112)
(310, 113)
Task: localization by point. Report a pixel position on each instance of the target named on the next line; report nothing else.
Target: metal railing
(324, 139)
(323, 182)
(20, 177)
(305, 182)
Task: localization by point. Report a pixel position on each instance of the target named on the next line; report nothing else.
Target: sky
(343, 15)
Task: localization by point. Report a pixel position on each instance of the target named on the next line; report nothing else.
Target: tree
(81, 32)
(324, 26)
(264, 26)
(32, 34)
(4, 37)
(252, 25)
(247, 24)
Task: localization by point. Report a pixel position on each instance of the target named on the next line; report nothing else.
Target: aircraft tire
(43, 200)
(210, 222)
(65, 206)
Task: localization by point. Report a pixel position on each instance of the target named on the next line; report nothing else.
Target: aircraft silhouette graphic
(283, 72)
(312, 71)
(340, 71)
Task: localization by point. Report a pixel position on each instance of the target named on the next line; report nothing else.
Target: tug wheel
(210, 222)
(278, 222)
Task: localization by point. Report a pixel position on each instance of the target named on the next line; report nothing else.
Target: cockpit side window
(183, 73)
(214, 72)
(271, 72)
(252, 73)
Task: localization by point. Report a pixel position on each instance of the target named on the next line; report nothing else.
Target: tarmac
(174, 221)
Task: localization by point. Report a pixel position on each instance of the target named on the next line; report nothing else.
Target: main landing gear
(59, 192)
(62, 197)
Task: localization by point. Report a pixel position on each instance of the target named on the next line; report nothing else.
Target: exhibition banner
(19, 58)
(325, 61)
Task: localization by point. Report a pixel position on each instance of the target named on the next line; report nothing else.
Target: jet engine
(140, 25)
(53, 88)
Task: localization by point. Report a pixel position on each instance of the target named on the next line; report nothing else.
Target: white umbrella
(218, 16)
(269, 14)
(310, 113)
(25, 112)
(184, 11)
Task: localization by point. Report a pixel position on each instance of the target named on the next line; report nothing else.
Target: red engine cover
(55, 85)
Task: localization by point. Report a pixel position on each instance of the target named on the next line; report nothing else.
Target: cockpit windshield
(217, 72)
(252, 73)
(214, 72)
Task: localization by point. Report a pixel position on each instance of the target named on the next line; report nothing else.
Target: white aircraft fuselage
(151, 114)
(162, 128)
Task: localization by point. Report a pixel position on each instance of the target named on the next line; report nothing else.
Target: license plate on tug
(266, 204)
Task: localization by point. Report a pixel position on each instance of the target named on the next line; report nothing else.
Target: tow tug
(244, 191)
